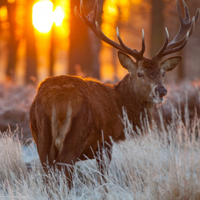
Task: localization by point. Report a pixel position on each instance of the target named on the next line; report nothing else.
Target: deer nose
(161, 91)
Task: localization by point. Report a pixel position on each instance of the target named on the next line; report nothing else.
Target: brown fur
(95, 107)
(69, 113)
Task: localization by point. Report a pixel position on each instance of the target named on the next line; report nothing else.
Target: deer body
(76, 111)
(69, 113)
(91, 107)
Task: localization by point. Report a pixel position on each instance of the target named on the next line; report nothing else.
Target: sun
(44, 16)
(58, 16)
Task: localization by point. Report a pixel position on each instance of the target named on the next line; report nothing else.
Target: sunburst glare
(44, 16)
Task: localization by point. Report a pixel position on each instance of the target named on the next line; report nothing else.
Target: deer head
(146, 75)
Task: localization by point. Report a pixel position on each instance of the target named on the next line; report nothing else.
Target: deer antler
(185, 31)
(179, 41)
(90, 20)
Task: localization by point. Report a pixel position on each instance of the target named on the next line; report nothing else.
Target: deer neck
(136, 108)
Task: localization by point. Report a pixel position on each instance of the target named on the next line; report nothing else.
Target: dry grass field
(155, 165)
(162, 163)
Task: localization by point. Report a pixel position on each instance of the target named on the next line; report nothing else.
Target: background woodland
(28, 55)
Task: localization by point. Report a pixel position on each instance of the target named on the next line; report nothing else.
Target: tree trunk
(157, 26)
(13, 43)
(3, 3)
(84, 45)
(52, 47)
(31, 64)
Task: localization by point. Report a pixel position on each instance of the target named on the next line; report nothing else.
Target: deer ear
(170, 63)
(126, 61)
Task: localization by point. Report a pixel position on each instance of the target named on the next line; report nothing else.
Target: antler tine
(103, 37)
(197, 14)
(95, 10)
(91, 21)
(160, 52)
(184, 27)
(143, 43)
(185, 31)
(122, 43)
(82, 12)
(92, 16)
(167, 52)
(187, 13)
(130, 51)
(78, 15)
(194, 19)
(81, 15)
(192, 26)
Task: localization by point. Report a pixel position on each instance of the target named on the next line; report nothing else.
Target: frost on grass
(156, 164)
(11, 162)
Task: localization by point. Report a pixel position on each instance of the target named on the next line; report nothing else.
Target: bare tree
(157, 26)
(13, 42)
(31, 64)
(84, 46)
(52, 47)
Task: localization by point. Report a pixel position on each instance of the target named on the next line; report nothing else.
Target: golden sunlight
(58, 16)
(44, 16)
(11, 1)
(3, 13)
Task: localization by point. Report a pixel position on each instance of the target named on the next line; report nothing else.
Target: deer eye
(163, 74)
(139, 74)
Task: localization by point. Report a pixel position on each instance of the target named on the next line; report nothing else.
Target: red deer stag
(69, 113)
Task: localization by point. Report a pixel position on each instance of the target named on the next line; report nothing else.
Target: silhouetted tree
(31, 64)
(52, 47)
(13, 42)
(157, 26)
(84, 45)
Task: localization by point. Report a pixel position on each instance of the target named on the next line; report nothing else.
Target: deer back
(61, 101)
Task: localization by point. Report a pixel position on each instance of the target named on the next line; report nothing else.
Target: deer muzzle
(160, 91)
